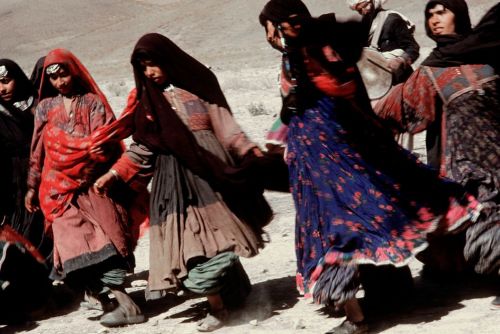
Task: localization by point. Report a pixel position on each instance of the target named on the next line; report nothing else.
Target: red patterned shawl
(67, 158)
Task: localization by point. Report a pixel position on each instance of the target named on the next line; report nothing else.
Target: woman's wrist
(115, 174)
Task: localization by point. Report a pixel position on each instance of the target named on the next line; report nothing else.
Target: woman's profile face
(7, 87)
(273, 36)
(62, 80)
(153, 72)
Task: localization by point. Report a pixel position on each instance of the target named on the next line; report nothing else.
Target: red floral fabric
(59, 144)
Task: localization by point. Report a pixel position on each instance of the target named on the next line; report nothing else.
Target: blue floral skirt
(360, 201)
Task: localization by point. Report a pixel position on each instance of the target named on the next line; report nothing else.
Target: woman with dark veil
(361, 200)
(16, 129)
(20, 229)
(454, 96)
(205, 212)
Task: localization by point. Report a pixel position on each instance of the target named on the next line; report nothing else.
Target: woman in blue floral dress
(360, 198)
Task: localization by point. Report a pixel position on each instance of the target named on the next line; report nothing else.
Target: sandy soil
(225, 35)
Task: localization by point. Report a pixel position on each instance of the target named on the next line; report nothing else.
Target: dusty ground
(225, 35)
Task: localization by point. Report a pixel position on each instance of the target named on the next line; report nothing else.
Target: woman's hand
(102, 184)
(30, 200)
(395, 64)
(257, 152)
(99, 153)
(96, 150)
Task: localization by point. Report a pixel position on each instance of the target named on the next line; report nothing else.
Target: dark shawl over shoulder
(160, 129)
(346, 38)
(480, 45)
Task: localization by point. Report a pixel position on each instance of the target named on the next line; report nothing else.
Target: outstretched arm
(229, 133)
(135, 167)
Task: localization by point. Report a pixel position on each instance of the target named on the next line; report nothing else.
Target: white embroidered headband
(3, 72)
(51, 69)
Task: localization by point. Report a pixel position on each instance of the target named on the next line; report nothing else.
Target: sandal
(349, 327)
(212, 321)
(119, 317)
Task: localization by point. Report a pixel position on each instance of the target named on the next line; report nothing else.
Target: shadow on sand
(265, 300)
(61, 301)
(433, 297)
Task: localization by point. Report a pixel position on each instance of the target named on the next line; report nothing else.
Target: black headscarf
(181, 69)
(278, 11)
(480, 45)
(36, 74)
(24, 89)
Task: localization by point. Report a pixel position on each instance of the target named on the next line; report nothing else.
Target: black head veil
(36, 74)
(278, 11)
(24, 89)
(181, 69)
(480, 45)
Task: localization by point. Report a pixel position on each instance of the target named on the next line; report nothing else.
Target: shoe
(349, 327)
(119, 318)
(495, 303)
(212, 321)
